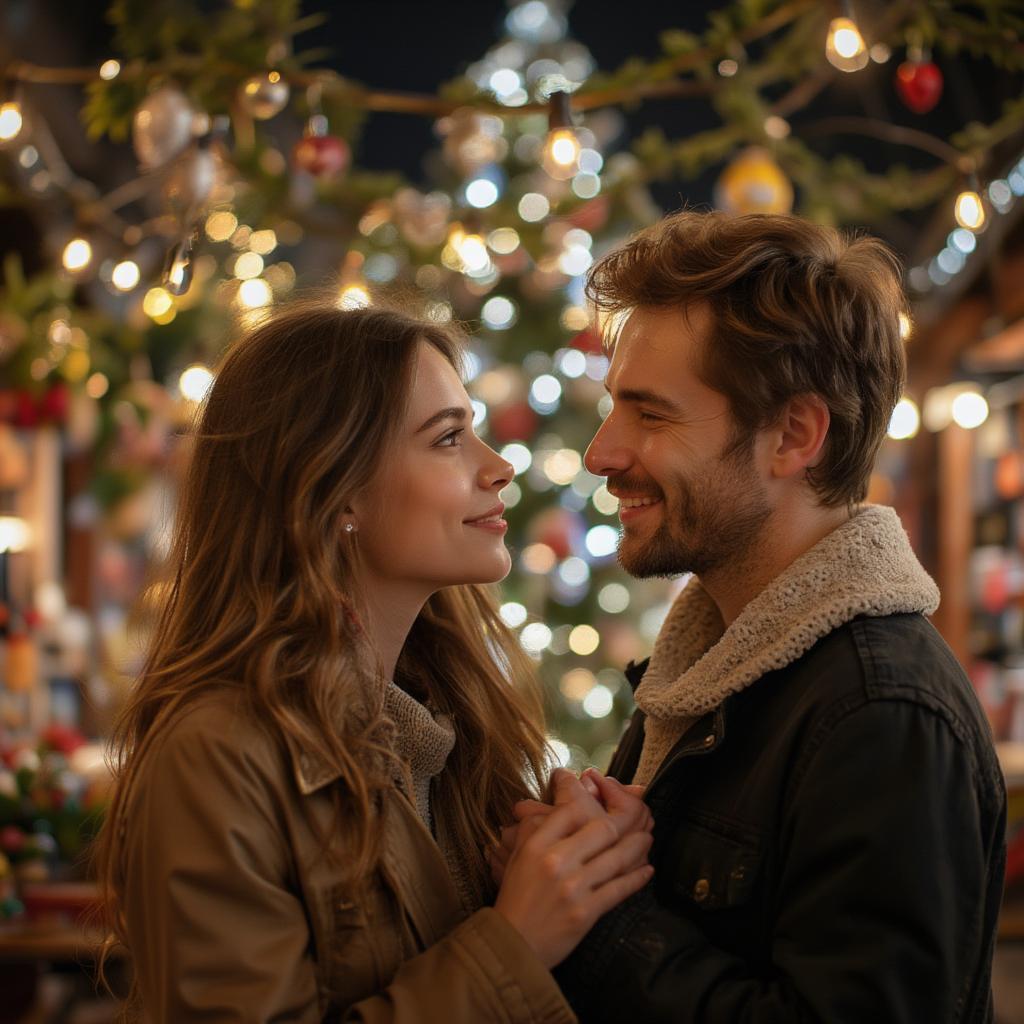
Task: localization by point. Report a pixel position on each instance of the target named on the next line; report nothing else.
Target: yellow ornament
(754, 183)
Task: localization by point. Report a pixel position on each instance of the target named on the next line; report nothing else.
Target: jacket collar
(864, 567)
(421, 738)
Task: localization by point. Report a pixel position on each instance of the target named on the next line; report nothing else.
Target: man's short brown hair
(796, 308)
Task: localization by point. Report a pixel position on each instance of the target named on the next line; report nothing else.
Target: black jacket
(829, 847)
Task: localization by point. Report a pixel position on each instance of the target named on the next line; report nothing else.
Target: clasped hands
(563, 864)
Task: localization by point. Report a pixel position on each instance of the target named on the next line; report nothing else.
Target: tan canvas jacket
(234, 914)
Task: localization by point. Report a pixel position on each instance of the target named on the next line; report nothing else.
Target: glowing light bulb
(845, 47)
(125, 275)
(10, 121)
(969, 210)
(354, 296)
(254, 293)
(969, 410)
(77, 254)
(561, 156)
(195, 382)
(905, 420)
(110, 69)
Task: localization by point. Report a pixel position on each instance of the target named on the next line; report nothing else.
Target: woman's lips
(490, 520)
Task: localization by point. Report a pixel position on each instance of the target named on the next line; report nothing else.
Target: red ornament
(919, 84)
(323, 156)
(588, 341)
(514, 422)
(53, 406)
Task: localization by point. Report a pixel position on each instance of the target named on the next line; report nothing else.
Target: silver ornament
(190, 183)
(162, 126)
(263, 96)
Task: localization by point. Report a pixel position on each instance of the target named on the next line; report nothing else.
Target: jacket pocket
(713, 864)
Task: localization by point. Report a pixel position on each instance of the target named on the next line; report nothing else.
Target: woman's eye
(451, 439)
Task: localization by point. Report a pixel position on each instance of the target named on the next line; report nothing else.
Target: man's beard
(707, 523)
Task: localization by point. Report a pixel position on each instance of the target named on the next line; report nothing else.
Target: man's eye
(648, 417)
(451, 439)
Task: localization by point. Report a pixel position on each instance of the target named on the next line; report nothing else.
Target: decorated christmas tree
(249, 184)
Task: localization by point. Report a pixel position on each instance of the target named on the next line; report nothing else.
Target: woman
(333, 721)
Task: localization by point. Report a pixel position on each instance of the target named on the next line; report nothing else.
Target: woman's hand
(569, 865)
(624, 805)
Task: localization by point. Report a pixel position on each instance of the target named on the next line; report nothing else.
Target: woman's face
(431, 518)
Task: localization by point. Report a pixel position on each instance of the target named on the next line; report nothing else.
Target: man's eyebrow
(453, 412)
(642, 397)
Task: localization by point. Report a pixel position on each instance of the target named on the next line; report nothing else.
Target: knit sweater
(863, 567)
(424, 739)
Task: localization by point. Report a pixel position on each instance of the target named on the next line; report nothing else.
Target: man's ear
(799, 436)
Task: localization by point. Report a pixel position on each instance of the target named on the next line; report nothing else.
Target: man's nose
(606, 454)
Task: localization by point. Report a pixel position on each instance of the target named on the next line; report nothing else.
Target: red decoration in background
(323, 156)
(513, 422)
(23, 409)
(919, 84)
(588, 341)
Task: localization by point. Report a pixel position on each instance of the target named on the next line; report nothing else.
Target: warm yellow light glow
(195, 382)
(110, 69)
(576, 683)
(970, 410)
(125, 275)
(10, 121)
(248, 264)
(354, 296)
(906, 326)
(157, 302)
(254, 293)
(77, 254)
(263, 242)
(969, 210)
(220, 226)
(584, 640)
(561, 157)
(15, 534)
(97, 385)
(503, 240)
(845, 47)
(538, 558)
(905, 420)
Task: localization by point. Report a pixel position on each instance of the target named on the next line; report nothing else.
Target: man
(829, 812)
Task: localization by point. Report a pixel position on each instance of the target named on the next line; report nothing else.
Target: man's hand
(624, 805)
(569, 865)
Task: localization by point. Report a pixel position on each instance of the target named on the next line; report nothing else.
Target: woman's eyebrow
(453, 412)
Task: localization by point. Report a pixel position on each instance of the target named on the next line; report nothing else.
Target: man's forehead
(654, 343)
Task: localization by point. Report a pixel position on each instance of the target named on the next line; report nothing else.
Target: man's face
(686, 504)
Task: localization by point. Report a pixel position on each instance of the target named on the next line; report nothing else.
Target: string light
(180, 265)
(969, 410)
(125, 275)
(844, 48)
(195, 382)
(969, 210)
(254, 293)
(10, 120)
(905, 420)
(561, 154)
(110, 69)
(77, 255)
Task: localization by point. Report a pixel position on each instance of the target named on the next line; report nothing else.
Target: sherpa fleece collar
(864, 567)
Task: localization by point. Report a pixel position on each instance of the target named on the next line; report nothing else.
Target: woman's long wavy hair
(262, 594)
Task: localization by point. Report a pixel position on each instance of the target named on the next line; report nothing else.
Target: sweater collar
(421, 738)
(863, 567)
